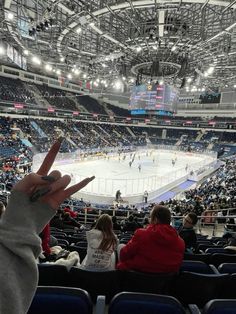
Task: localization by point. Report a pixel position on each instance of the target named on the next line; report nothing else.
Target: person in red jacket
(71, 212)
(158, 248)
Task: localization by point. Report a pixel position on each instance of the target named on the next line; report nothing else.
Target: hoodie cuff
(23, 213)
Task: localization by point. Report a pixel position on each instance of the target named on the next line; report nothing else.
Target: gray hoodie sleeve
(20, 245)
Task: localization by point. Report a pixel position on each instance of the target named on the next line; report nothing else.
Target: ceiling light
(155, 47)
(62, 59)
(131, 80)
(97, 80)
(210, 70)
(26, 52)
(77, 71)
(48, 67)
(36, 60)
(10, 16)
(234, 85)
(203, 89)
(205, 74)
(85, 75)
(173, 48)
(123, 78)
(78, 30)
(69, 76)
(106, 59)
(139, 49)
(189, 80)
(161, 82)
(2, 50)
(118, 85)
(58, 72)
(103, 65)
(91, 24)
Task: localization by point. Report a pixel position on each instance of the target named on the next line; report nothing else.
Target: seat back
(227, 268)
(139, 303)
(134, 281)
(228, 290)
(218, 258)
(221, 306)
(215, 250)
(197, 257)
(196, 267)
(52, 275)
(195, 288)
(60, 300)
(96, 283)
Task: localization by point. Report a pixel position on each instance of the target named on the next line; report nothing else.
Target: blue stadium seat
(227, 268)
(140, 303)
(61, 300)
(197, 267)
(215, 250)
(220, 306)
(218, 258)
(195, 288)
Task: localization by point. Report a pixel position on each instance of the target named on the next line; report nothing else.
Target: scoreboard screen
(153, 98)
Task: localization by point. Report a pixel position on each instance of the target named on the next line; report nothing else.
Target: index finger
(50, 158)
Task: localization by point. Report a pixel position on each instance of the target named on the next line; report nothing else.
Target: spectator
(158, 248)
(116, 225)
(145, 196)
(101, 245)
(25, 217)
(130, 224)
(187, 233)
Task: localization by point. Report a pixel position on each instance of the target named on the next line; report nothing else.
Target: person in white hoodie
(102, 243)
(33, 202)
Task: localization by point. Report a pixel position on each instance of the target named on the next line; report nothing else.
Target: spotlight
(69, 76)
(48, 67)
(58, 72)
(161, 82)
(118, 85)
(189, 80)
(26, 52)
(78, 30)
(36, 60)
(210, 70)
(77, 71)
(85, 75)
(91, 24)
(104, 65)
(173, 48)
(2, 50)
(62, 59)
(155, 47)
(131, 80)
(10, 16)
(139, 49)
(234, 85)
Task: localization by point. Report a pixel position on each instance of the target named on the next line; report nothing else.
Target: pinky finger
(76, 187)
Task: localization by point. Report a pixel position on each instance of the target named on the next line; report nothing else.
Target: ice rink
(114, 172)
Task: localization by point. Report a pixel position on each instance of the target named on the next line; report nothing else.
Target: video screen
(155, 98)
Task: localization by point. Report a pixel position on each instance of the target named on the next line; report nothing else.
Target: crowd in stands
(57, 98)
(14, 90)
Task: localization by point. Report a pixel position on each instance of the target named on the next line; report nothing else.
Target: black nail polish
(48, 178)
(39, 193)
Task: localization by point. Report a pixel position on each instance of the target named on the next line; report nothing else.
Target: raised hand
(49, 188)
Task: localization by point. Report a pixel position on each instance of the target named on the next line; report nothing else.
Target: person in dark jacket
(186, 231)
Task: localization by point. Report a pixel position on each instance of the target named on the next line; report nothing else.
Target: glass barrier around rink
(109, 186)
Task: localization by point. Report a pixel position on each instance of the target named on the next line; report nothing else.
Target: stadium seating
(227, 268)
(197, 267)
(140, 303)
(61, 300)
(220, 306)
(52, 275)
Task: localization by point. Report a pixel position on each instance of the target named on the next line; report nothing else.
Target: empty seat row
(187, 287)
(63, 300)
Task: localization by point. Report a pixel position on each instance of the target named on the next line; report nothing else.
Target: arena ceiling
(174, 41)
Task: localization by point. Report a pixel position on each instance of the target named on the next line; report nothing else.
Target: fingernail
(39, 193)
(48, 178)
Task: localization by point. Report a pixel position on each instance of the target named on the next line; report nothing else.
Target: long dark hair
(104, 224)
